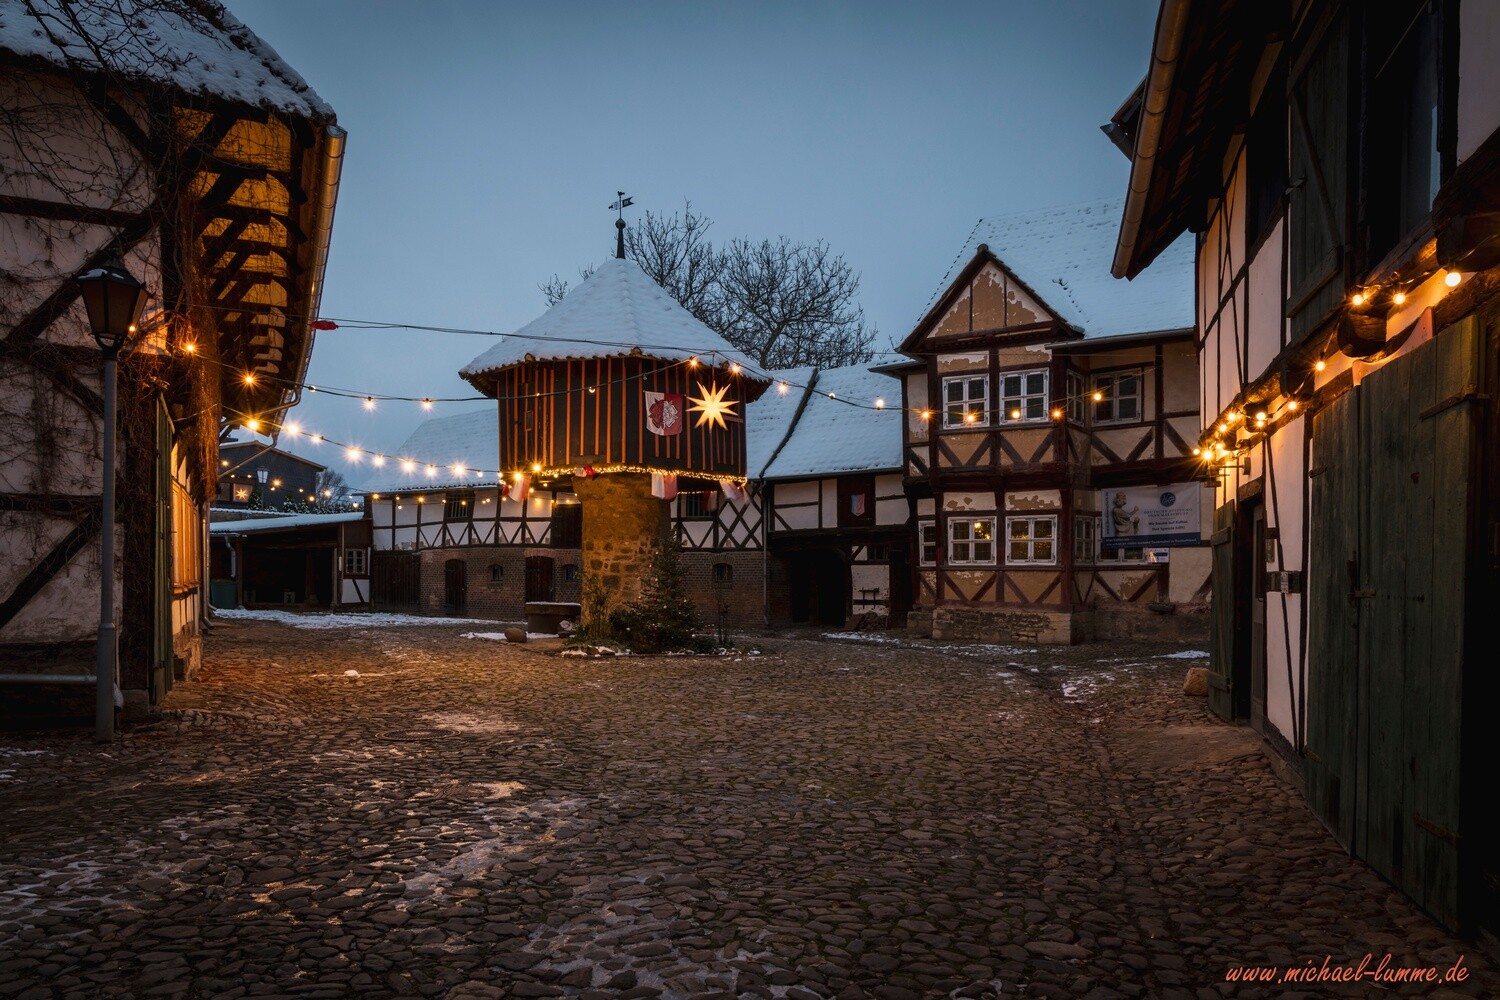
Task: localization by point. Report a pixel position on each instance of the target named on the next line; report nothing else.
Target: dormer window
(966, 400)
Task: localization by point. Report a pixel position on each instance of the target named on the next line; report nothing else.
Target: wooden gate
(395, 581)
(1391, 768)
(539, 578)
(455, 587)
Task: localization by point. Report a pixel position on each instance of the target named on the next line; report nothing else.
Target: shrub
(662, 618)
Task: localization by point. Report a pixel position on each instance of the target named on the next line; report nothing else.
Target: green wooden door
(1221, 662)
(1394, 507)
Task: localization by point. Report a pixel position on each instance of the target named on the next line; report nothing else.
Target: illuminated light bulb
(926, 414)
(312, 388)
(1223, 428)
(833, 395)
(879, 404)
(1015, 414)
(1320, 366)
(692, 362)
(970, 417)
(1260, 418)
(1057, 414)
(519, 476)
(316, 439)
(190, 347)
(1233, 417)
(1358, 298)
(735, 368)
(374, 496)
(459, 470)
(592, 390)
(328, 493)
(249, 378)
(426, 404)
(252, 425)
(421, 499)
(431, 471)
(407, 465)
(276, 483)
(1197, 451)
(1452, 278)
(1399, 298)
(293, 429)
(224, 462)
(369, 402)
(352, 454)
(536, 466)
(378, 461)
(1292, 405)
(1098, 396)
(131, 328)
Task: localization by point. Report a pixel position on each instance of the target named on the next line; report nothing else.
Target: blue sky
(486, 139)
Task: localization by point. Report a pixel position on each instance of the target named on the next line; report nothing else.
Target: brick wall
(742, 593)
(502, 599)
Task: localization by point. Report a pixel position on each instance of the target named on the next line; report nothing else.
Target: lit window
(1117, 398)
(966, 400)
(971, 541)
(1023, 396)
(1030, 540)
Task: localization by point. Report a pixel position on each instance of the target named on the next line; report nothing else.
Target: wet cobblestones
(468, 819)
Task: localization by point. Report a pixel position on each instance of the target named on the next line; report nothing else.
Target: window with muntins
(458, 505)
(1084, 526)
(354, 562)
(697, 504)
(966, 400)
(1031, 540)
(1117, 398)
(1023, 396)
(1077, 410)
(927, 538)
(971, 541)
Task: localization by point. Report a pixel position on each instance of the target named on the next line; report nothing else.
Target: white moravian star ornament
(711, 406)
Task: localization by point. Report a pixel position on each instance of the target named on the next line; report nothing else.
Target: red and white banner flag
(857, 505)
(522, 489)
(733, 491)
(663, 485)
(664, 413)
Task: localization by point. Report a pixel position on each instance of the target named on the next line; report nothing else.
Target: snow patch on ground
(958, 649)
(1186, 654)
(10, 757)
(356, 619)
(500, 636)
(464, 722)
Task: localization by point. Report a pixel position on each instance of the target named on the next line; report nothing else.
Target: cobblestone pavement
(405, 812)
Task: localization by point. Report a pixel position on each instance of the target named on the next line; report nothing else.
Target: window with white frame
(1031, 540)
(1117, 397)
(971, 541)
(927, 540)
(354, 562)
(1077, 410)
(966, 400)
(1023, 396)
(1084, 531)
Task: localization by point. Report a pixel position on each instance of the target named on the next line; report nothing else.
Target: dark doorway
(819, 587)
(395, 581)
(901, 590)
(455, 587)
(1252, 570)
(539, 578)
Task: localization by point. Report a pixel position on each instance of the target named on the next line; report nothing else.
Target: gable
(985, 298)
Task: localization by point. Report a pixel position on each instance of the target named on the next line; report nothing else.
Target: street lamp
(114, 300)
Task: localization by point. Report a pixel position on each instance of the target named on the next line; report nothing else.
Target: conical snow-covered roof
(617, 311)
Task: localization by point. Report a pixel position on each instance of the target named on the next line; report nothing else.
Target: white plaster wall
(1285, 511)
(1478, 74)
(1265, 304)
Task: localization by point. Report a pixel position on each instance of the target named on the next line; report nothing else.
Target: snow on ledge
(353, 619)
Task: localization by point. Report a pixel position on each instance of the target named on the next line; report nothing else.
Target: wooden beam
(53, 306)
(64, 212)
(49, 566)
(50, 360)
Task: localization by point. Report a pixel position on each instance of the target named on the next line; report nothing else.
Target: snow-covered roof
(196, 46)
(1064, 255)
(469, 439)
(768, 419)
(617, 311)
(843, 433)
(282, 523)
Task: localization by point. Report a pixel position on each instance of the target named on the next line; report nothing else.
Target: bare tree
(787, 304)
(782, 303)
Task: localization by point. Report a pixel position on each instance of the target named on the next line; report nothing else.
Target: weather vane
(620, 204)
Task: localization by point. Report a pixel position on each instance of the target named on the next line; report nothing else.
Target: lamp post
(114, 300)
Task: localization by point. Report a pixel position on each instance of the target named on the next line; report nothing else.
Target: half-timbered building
(1040, 397)
(170, 136)
(1339, 165)
(252, 474)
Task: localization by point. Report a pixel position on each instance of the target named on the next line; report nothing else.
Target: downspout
(1171, 29)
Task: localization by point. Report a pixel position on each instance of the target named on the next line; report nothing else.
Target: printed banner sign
(664, 413)
(1151, 516)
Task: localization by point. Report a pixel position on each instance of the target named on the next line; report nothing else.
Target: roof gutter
(331, 170)
(1171, 30)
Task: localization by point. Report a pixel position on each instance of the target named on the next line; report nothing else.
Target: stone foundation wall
(998, 624)
(503, 599)
(622, 525)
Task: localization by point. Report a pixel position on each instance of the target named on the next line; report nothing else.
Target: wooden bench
(544, 617)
